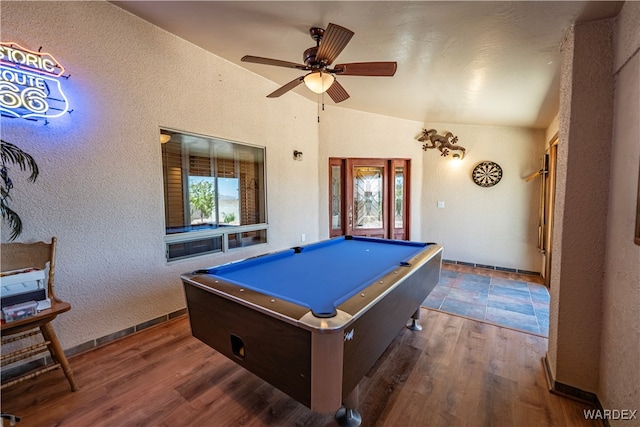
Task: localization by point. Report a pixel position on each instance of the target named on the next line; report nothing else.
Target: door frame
(548, 196)
(345, 198)
(350, 228)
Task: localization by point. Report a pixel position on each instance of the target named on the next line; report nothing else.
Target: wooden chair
(17, 256)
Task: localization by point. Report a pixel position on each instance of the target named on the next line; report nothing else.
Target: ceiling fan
(318, 59)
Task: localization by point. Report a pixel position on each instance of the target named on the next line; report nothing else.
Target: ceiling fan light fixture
(318, 81)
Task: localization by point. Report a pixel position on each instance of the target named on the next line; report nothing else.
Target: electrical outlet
(440, 204)
(303, 237)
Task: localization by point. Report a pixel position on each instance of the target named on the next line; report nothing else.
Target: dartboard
(487, 174)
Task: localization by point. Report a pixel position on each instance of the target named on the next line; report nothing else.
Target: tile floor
(512, 300)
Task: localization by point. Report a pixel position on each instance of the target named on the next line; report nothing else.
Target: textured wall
(348, 133)
(580, 217)
(493, 226)
(100, 189)
(620, 342)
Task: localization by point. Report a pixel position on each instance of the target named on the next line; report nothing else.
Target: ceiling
(490, 63)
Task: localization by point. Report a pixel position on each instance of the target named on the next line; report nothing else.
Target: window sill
(228, 238)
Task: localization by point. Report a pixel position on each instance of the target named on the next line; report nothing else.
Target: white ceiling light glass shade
(318, 81)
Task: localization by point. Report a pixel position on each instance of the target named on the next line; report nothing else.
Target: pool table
(313, 320)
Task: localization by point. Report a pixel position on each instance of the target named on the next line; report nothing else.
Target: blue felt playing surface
(322, 275)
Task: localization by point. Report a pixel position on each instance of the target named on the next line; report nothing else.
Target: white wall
(347, 133)
(580, 229)
(100, 189)
(620, 340)
(594, 336)
(493, 226)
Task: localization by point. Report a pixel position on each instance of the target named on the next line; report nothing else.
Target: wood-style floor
(455, 372)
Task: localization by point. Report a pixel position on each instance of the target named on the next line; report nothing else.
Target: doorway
(369, 197)
(548, 203)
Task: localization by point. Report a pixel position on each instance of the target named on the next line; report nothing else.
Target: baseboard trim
(571, 392)
(492, 267)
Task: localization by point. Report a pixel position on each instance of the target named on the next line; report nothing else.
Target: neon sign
(30, 84)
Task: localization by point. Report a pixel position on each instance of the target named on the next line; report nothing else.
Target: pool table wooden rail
(302, 316)
(317, 361)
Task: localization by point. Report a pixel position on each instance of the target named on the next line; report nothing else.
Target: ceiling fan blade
(376, 69)
(286, 88)
(335, 39)
(276, 62)
(337, 92)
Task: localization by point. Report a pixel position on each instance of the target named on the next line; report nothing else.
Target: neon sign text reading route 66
(30, 84)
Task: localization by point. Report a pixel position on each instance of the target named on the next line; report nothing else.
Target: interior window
(213, 192)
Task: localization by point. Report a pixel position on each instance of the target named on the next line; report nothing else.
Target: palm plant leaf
(12, 218)
(12, 154)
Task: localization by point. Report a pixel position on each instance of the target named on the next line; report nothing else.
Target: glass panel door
(400, 197)
(367, 197)
(336, 197)
(399, 194)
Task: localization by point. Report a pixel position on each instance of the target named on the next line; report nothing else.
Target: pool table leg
(347, 416)
(414, 326)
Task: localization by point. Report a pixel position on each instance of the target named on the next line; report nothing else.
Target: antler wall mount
(446, 143)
